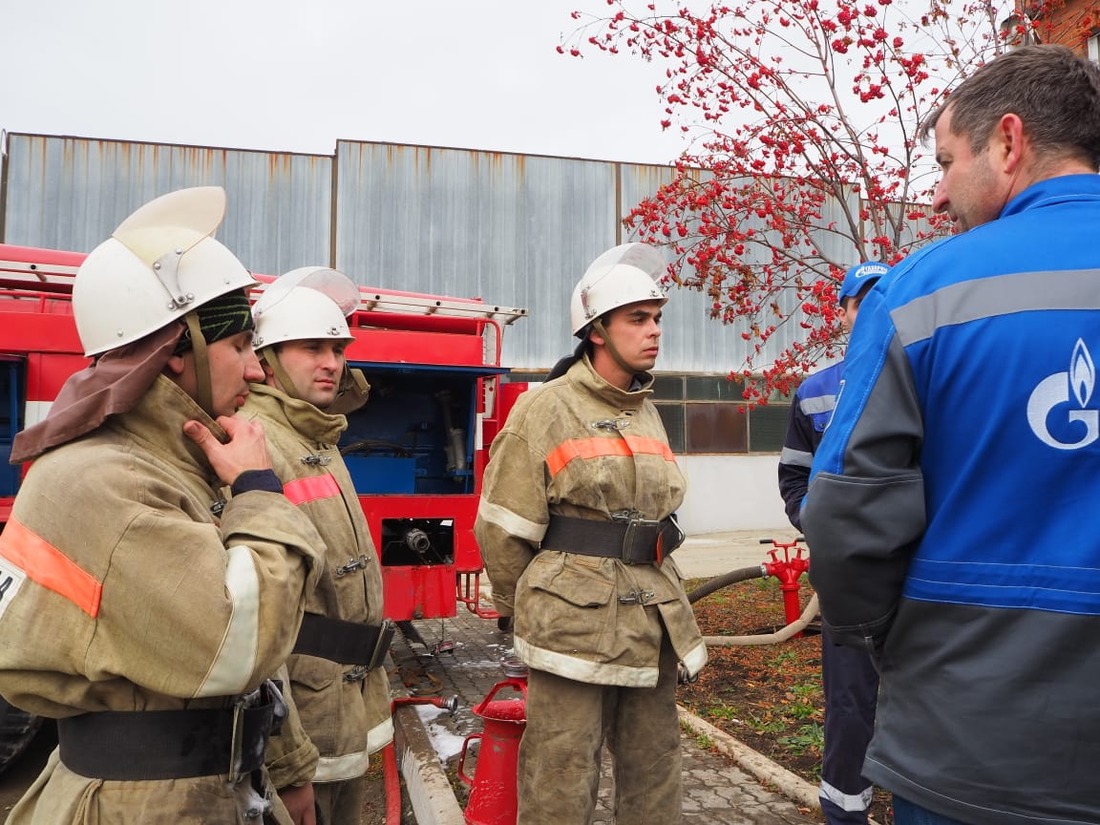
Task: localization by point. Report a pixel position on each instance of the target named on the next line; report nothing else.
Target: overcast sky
(285, 76)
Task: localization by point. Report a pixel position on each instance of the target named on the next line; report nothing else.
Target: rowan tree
(804, 160)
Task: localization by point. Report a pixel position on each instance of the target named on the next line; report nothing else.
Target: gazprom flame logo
(1061, 400)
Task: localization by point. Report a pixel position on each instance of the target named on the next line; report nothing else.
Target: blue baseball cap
(860, 276)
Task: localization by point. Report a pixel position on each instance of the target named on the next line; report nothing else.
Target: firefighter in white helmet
(576, 526)
(141, 610)
(337, 680)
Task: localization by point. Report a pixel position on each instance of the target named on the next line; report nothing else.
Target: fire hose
(757, 571)
(787, 570)
(780, 635)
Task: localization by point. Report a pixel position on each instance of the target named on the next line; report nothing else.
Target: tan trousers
(559, 755)
(341, 803)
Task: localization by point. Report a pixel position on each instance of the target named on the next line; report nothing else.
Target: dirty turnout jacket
(580, 447)
(126, 593)
(346, 719)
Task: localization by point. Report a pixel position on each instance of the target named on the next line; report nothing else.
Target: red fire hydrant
(493, 786)
(788, 570)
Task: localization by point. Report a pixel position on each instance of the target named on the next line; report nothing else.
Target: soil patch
(767, 696)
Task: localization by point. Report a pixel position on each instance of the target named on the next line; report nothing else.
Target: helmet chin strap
(270, 357)
(598, 326)
(204, 392)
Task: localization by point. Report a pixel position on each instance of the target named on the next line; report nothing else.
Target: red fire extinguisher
(493, 785)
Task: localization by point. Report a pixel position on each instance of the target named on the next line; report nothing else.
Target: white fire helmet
(622, 275)
(309, 303)
(160, 264)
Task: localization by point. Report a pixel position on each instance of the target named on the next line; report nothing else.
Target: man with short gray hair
(949, 502)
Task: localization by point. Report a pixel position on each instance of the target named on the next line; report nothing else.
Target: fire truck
(416, 451)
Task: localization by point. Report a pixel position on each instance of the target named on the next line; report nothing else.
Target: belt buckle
(357, 673)
(272, 693)
(382, 646)
(268, 693)
(236, 739)
(378, 653)
(640, 541)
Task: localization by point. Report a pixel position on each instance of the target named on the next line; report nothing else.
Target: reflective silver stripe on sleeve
(960, 303)
(817, 404)
(236, 658)
(511, 523)
(341, 768)
(695, 659)
(353, 765)
(796, 458)
(380, 735)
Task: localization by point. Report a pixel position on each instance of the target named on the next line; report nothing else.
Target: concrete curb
(791, 785)
(430, 793)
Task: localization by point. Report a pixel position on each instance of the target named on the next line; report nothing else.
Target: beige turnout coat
(124, 592)
(580, 447)
(346, 720)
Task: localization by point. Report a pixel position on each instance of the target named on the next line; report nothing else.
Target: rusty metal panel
(512, 229)
(694, 342)
(70, 193)
(691, 341)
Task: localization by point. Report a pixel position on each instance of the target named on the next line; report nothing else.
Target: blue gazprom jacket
(952, 509)
(811, 409)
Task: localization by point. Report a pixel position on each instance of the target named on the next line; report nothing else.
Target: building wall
(1068, 22)
(732, 493)
(70, 193)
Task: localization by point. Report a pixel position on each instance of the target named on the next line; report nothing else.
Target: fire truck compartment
(415, 434)
(382, 474)
(10, 383)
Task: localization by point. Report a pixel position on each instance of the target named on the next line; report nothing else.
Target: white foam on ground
(445, 744)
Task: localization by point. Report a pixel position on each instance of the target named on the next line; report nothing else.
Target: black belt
(349, 643)
(167, 744)
(633, 540)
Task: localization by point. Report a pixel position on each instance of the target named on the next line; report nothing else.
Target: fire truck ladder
(428, 305)
(53, 277)
(60, 277)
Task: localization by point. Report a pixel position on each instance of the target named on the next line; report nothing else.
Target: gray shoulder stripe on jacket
(796, 458)
(990, 297)
(817, 404)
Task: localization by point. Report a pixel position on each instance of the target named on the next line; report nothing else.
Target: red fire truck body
(416, 451)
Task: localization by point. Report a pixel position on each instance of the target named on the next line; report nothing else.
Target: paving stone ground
(462, 656)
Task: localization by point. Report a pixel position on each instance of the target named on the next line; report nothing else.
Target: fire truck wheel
(17, 729)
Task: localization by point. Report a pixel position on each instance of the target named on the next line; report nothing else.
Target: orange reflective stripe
(584, 448)
(49, 567)
(302, 490)
(589, 448)
(650, 446)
